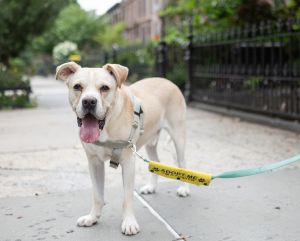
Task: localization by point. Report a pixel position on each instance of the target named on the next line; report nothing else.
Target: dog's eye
(77, 87)
(104, 88)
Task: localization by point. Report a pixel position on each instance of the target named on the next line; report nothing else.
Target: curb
(293, 126)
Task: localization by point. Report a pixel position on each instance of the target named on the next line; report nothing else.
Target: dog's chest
(101, 153)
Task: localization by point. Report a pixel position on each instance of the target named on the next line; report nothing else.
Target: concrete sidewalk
(53, 217)
(40, 153)
(253, 208)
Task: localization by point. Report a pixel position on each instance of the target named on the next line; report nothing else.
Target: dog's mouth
(90, 128)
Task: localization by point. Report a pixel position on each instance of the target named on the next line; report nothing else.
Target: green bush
(176, 67)
(253, 83)
(12, 80)
(139, 59)
(177, 75)
(63, 50)
(14, 89)
(15, 101)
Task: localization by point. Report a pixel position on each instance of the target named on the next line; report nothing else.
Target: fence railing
(254, 68)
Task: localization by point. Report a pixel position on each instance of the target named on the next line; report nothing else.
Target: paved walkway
(43, 168)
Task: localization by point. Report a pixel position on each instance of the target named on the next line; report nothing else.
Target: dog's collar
(118, 145)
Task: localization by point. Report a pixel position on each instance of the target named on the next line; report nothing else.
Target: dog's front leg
(96, 169)
(129, 224)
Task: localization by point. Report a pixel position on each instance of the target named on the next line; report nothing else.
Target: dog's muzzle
(88, 106)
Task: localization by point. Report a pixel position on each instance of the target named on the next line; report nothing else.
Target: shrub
(177, 74)
(63, 50)
(140, 60)
(14, 89)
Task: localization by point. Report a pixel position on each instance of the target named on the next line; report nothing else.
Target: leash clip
(133, 148)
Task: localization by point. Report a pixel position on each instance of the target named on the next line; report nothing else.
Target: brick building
(141, 18)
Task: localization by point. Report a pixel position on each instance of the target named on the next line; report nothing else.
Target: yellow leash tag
(181, 174)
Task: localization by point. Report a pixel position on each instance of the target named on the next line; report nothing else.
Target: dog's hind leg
(151, 150)
(179, 142)
(177, 130)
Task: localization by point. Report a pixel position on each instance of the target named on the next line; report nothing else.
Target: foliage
(63, 50)
(139, 59)
(92, 57)
(286, 8)
(14, 89)
(207, 12)
(69, 22)
(111, 35)
(217, 15)
(17, 65)
(85, 29)
(176, 35)
(177, 74)
(12, 78)
(20, 21)
(15, 101)
(176, 69)
(137, 54)
(91, 33)
(204, 16)
(253, 11)
(73, 24)
(253, 83)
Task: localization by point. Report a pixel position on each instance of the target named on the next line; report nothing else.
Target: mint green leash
(257, 170)
(201, 178)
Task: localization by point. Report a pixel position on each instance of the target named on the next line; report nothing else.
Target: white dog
(106, 110)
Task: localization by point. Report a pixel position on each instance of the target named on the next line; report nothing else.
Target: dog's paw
(87, 221)
(130, 226)
(147, 189)
(183, 191)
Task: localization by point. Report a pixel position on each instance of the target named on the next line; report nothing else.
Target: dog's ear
(118, 71)
(65, 70)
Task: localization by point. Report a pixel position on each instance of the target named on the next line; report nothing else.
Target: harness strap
(137, 110)
(112, 144)
(142, 122)
(138, 114)
(119, 145)
(115, 156)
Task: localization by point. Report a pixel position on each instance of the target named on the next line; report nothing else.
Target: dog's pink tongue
(89, 130)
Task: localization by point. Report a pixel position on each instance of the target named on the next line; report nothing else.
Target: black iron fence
(254, 68)
(175, 67)
(151, 60)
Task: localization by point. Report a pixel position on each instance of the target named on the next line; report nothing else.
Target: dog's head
(92, 91)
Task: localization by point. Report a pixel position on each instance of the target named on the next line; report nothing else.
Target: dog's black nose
(89, 103)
